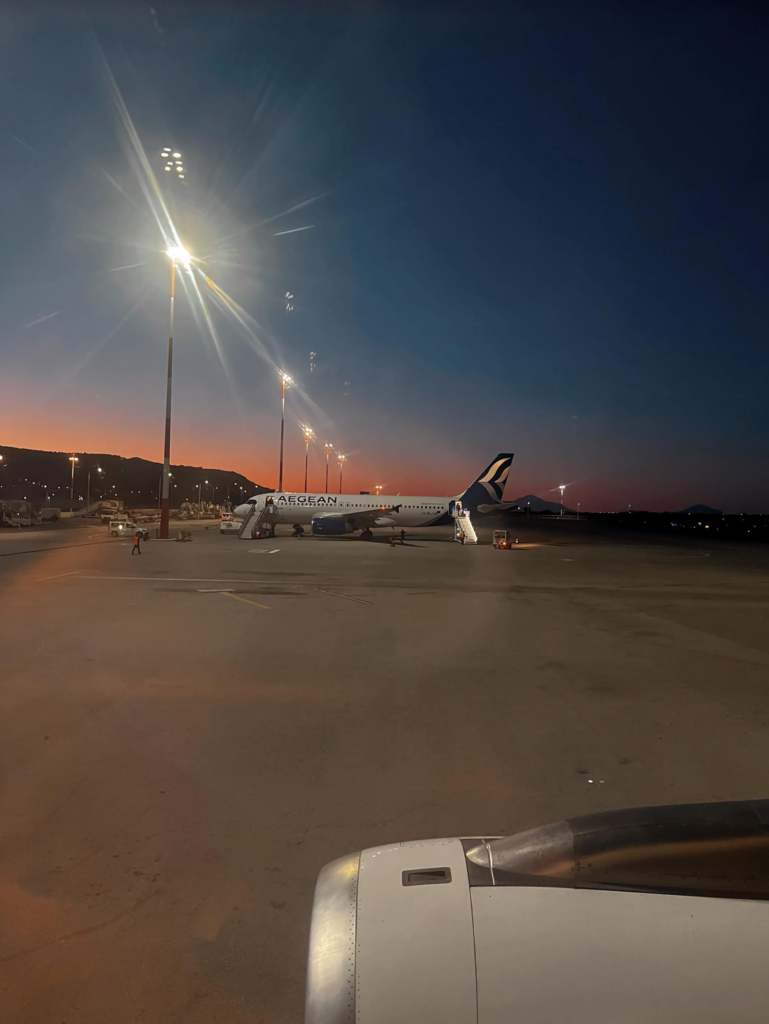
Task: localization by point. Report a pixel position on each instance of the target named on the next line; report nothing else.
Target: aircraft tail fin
(490, 485)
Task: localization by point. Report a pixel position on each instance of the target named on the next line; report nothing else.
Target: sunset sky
(529, 227)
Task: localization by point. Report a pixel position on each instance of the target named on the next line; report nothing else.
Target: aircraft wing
(363, 517)
(501, 506)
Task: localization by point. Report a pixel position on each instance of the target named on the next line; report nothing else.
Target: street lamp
(285, 382)
(561, 488)
(177, 254)
(341, 467)
(73, 459)
(308, 436)
(328, 449)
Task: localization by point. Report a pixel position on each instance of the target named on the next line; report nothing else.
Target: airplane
(335, 514)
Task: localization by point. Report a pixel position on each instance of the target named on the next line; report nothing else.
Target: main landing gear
(367, 535)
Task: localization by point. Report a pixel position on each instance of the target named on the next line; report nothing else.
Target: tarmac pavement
(188, 735)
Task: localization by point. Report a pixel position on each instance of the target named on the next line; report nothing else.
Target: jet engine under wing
(363, 519)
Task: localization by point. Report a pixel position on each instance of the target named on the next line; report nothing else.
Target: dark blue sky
(529, 226)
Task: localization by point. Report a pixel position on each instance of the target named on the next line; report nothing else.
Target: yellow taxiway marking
(237, 597)
(343, 596)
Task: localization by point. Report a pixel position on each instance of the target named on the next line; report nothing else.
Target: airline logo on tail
(495, 477)
(491, 482)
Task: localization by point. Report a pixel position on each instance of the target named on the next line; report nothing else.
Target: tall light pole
(200, 489)
(285, 382)
(341, 467)
(308, 436)
(73, 459)
(88, 489)
(328, 449)
(562, 488)
(176, 254)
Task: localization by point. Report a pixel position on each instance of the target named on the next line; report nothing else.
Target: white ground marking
(179, 579)
(56, 577)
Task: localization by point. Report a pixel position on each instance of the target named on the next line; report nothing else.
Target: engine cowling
(331, 526)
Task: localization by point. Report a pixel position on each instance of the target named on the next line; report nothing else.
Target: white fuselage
(401, 510)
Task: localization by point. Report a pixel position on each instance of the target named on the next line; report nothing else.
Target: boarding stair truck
(462, 524)
(259, 522)
(98, 509)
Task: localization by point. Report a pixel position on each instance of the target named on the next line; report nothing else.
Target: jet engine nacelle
(331, 526)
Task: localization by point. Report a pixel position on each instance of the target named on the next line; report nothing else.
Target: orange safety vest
(136, 540)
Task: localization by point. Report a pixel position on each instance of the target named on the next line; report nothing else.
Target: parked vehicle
(50, 515)
(16, 514)
(15, 520)
(121, 528)
(110, 509)
(503, 539)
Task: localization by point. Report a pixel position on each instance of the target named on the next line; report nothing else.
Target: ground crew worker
(136, 550)
(298, 530)
(462, 537)
(403, 536)
(392, 541)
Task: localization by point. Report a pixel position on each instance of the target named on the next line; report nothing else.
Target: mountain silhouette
(701, 510)
(540, 504)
